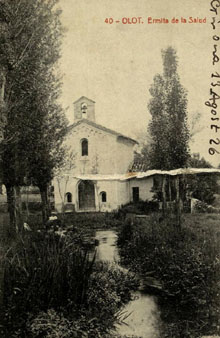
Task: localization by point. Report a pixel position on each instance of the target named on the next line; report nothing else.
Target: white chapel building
(98, 178)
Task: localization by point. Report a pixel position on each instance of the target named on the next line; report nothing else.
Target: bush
(53, 325)
(32, 206)
(141, 207)
(202, 207)
(187, 263)
(88, 221)
(52, 283)
(45, 272)
(107, 278)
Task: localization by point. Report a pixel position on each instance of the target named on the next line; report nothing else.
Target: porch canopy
(140, 174)
(177, 172)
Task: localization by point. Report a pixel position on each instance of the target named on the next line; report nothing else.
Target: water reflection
(107, 249)
(143, 319)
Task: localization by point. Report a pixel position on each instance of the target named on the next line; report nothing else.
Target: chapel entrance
(86, 192)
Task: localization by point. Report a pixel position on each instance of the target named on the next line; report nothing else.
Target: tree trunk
(18, 206)
(1, 290)
(45, 203)
(178, 202)
(14, 209)
(170, 192)
(3, 116)
(27, 201)
(164, 202)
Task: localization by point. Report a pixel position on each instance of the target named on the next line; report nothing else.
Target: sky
(114, 64)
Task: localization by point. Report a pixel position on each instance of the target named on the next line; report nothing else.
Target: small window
(69, 197)
(84, 110)
(135, 191)
(103, 196)
(84, 145)
(83, 106)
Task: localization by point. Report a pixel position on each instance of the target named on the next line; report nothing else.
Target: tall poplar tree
(34, 123)
(168, 127)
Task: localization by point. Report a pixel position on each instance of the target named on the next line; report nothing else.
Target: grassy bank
(54, 288)
(187, 264)
(96, 220)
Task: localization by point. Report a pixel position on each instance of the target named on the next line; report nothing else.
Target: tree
(34, 122)
(168, 108)
(168, 127)
(63, 175)
(195, 126)
(141, 155)
(203, 187)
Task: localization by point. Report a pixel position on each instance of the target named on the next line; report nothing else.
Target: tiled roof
(93, 124)
(138, 166)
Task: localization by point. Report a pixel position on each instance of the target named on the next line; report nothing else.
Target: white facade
(107, 153)
(96, 176)
(116, 194)
(144, 186)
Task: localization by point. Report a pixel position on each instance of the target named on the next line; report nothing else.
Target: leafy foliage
(139, 208)
(30, 35)
(108, 277)
(187, 263)
(53, 325)
(202, 187)
(45, 272)
(168, 107)
(202, 207)
(30, 50)
(53, 284)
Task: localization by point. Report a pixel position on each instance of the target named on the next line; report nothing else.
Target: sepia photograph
(109, 169)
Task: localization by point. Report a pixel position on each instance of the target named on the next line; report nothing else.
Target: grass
(187, 264)
(96, 220)
(54, 288)
(86, 220)
(4, 223)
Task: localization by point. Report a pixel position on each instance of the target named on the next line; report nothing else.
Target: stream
(143, 319)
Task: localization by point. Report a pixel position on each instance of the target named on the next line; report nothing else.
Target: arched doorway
(86, 193)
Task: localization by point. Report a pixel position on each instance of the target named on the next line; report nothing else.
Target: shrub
(53, 325)
(110, 277)
(88, 221)
(32, 206)
(187, 263)
(53, 283)
(45, 271)
(203, 207)
(141, 207)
